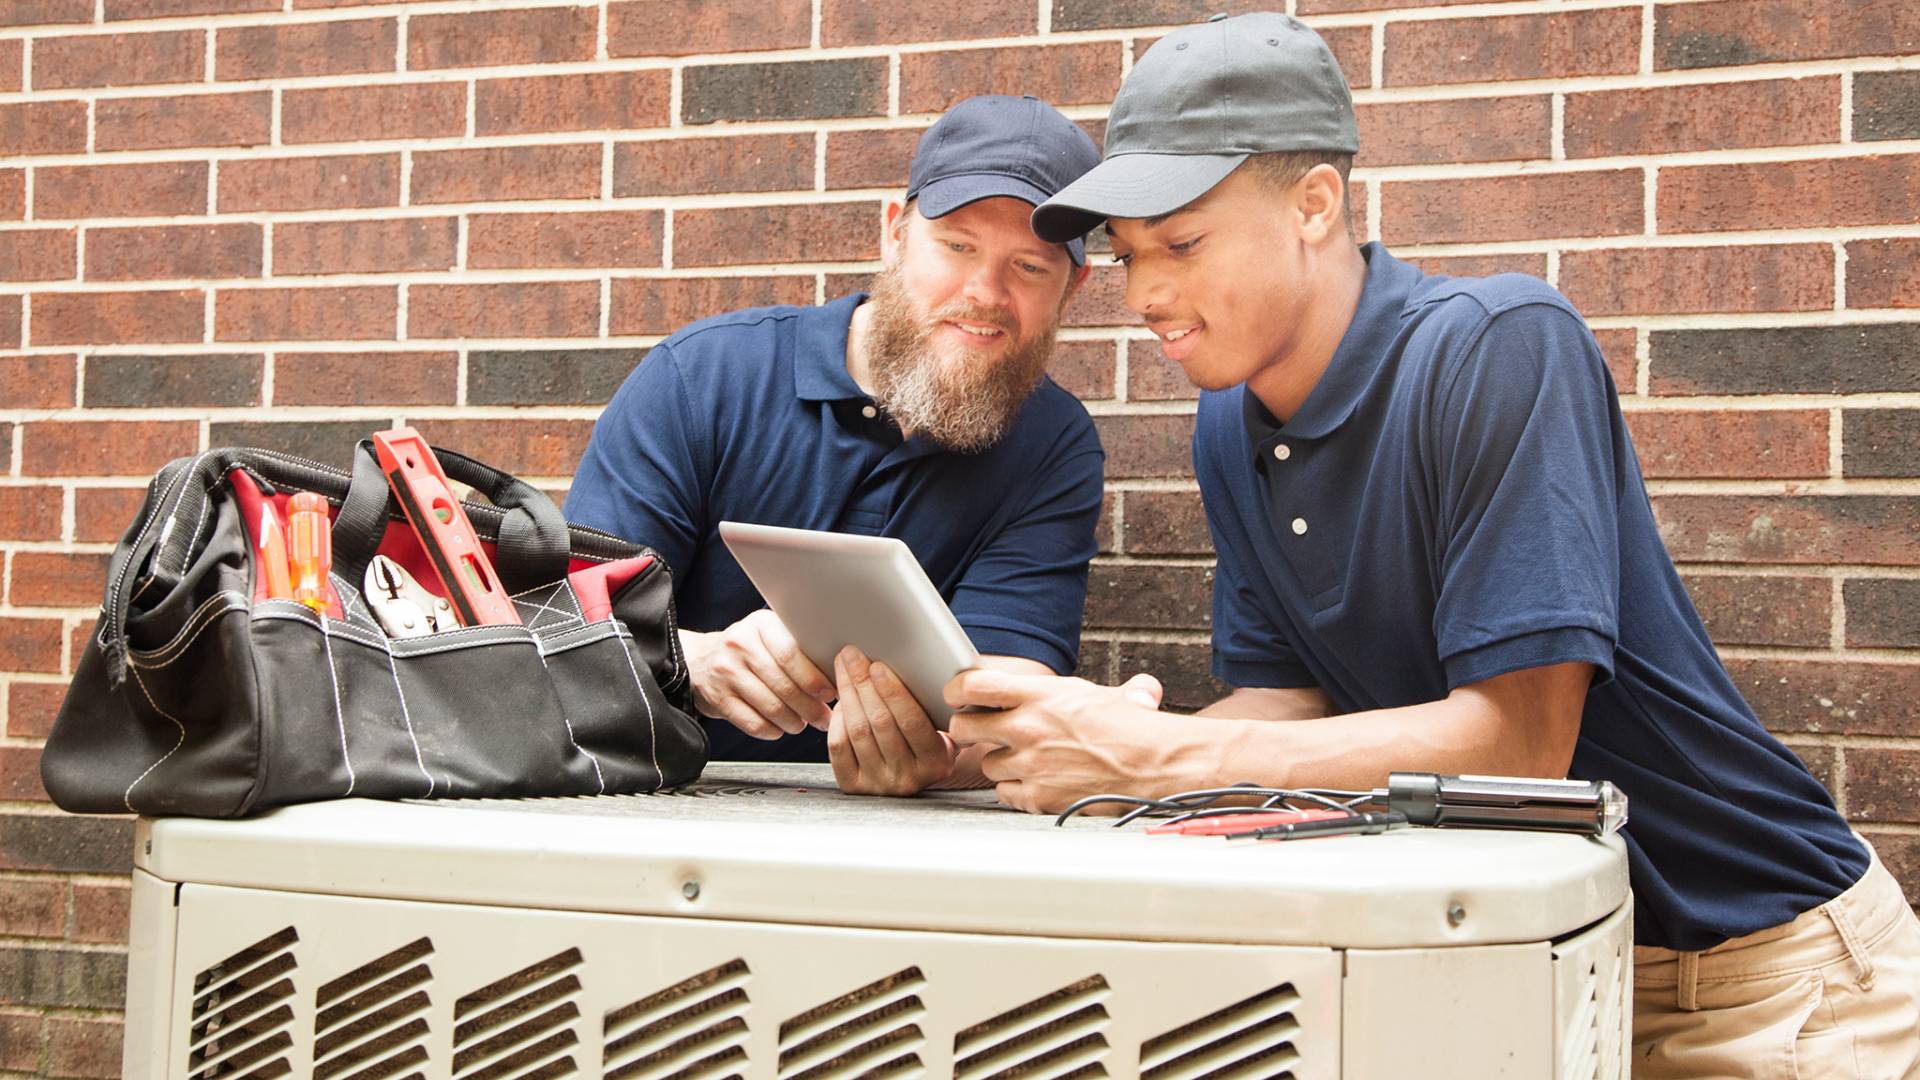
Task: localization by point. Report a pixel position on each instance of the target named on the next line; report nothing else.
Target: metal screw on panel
(690, 890)
(1456, 915)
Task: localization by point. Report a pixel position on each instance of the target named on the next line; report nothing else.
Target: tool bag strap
(531, 549)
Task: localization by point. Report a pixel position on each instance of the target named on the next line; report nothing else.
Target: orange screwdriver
(312, 536)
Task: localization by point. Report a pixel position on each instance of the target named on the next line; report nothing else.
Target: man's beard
(958, 398)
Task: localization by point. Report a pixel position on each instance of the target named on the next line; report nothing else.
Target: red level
(444, 531)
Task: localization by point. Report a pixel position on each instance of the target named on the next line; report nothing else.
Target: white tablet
(834, 590)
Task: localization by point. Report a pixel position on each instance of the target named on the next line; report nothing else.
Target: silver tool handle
(1592, 807)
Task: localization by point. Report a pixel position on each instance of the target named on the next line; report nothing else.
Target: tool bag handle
(532, 548)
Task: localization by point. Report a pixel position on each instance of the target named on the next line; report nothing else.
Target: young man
(921, 412)
(1436, 553)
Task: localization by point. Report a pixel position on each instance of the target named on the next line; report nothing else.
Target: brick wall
(287, 222)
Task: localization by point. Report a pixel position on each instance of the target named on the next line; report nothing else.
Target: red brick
(1673, 281)
(154, 9)
(366, 113)
(1102, 300)
(57, 579)
(146, 189)
(29, 644)
(152, 123)
(30, 907)
(1513, 262)
(1709, 116)
(1832, 193)
(83, 1048)
(1104, 14)
(22, 1036)
(1883, 273)
(1900, 852)
(1153, 377)
(1152, 596)
(1185, 671)
(508, 310)
(13, 194)
(105, 447)
(487, 38)
(10, 309)
(365, 247)
(174, 251)
(1620, 345)
(1512, 207)
(353, 313)
(12, 65)
(1057, 74)
(609, 238)
(20, 782)
(337, 47)
(596, 101)
(43, 127)
(1745, 609)
(1797, 529)
(859, 22)
(309, 183)
(77, 638)
(506, 173)
(662, 305)
(38, 255)
(100, 913)
(40, 12)
(1499, 48)
(1084, 369)
(367, 378)
(685, 166)
(31, 708)
(101, 514)
(1154, 444)
(172, 56)
(33, 513)
(1883, 784)
(1757, 31)
(834, 232)
(870, 159)
(118, 318)
(1353, 49)
(1164, 523)
(36, 382)
(1476, 129)
(523, 447)
(682, 27)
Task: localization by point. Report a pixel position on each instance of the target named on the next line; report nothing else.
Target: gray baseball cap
(1200, 102)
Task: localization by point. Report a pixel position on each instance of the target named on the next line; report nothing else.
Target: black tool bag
(198, 694)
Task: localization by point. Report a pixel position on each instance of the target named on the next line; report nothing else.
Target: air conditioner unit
(760, 924)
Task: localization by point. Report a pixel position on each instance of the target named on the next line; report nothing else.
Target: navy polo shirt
(1457, 499)
(752, 417)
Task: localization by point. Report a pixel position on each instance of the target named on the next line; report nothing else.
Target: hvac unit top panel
(771, 843)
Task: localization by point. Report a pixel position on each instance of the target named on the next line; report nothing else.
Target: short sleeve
(1528, 447)
(641, 476)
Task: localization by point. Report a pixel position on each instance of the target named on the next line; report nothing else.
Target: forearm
(1271, 704)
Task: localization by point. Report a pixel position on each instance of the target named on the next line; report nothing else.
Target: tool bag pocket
(200, 694)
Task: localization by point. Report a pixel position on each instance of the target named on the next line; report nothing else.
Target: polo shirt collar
(1364, 347)
(820, 352)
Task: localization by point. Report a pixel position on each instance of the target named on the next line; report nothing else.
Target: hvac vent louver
(241, 1013)
(520, 1027)
(1252, 1037)
(869, 1032)
(1055, 1037)
(372, 1020)
(695, 1028)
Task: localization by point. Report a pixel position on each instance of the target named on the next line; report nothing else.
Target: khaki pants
(1834, 993)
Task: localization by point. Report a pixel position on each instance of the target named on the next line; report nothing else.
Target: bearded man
(921, 412)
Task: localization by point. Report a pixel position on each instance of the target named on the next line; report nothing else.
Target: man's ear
(894, 231)
(1322, 204)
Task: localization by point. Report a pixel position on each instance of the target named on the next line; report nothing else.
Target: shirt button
(1282, 452)
(869, 411)
(1299, 526)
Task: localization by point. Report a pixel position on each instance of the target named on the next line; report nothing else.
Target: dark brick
(368, 113)
(1102, 14)
(1883, 784)
(83, 1048)
(861, 22)
(41, 12)
(335, 47)
(1737, 32)
(1438, 132)
(365, 378)
(112, 318)
(1883, 613)
(776, 234)
(522, 447)
(1798, 529)
(1787, 360)
(1547, 46)
(365, 247)
(682, 27)
(504, 310)
(174, 56)
(597, 101)
(1058, 74)
(67, 978)
(1106, 530)
(795, 90)
(31, 513)
(662, 305)
(1884, 273)
(1153, 596)
(488, 38)
(863, 159)
(1823, 762)
(33, 907)
(608, 238)
(309, 183)
(1096, 657)
(1185, 671)
(211, 380)
(1147, 445)
(1084, 369)
(1731, 443)
(1880, 442)
(102, 514)
(683, 166)
(38, 255)
(146, 189)
(1886, 105)
(1164, 523)
(1900, 852)
(74, 845)
(1671, 281)
(43, 127)
(1746, 609)
(329, 442)
(1707, 116)
(177, 120)
(548, 376)
(507, 173)
(174, 251)
(1820, 194)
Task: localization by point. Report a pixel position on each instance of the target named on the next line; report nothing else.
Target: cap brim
(942, 197)
(1131, 186)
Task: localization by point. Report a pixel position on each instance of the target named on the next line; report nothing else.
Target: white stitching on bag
(127, 798)
(407, 717)
(597, 774)
(653, 740)
(339, 718)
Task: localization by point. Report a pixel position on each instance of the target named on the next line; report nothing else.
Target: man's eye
(1122, 260)
(954, 245)
(1184, 246)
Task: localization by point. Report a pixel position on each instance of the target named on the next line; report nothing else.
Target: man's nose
(987, 287)
(1147, 292)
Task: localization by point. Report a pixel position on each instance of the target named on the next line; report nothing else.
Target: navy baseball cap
(998, 145)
